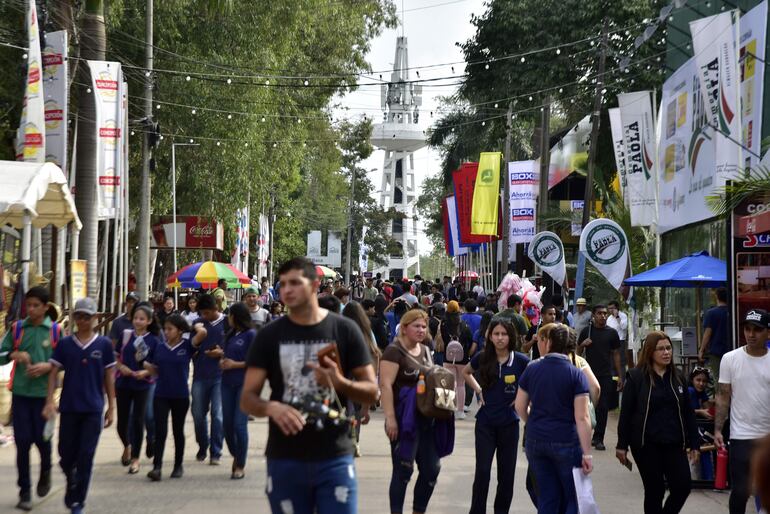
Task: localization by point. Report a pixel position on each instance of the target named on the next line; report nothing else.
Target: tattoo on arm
(723, 405)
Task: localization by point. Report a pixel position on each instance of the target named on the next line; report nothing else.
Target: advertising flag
(639, 141)
(714, 41)
(616, 127)
(263, 245)
(606, 248)
(486, 195)
(523, 180)
(30, 138)
(56, 91)
(363, 253)
(106, 80)
(464, 180)
(752, 40)
(547, 251)
(457, 249)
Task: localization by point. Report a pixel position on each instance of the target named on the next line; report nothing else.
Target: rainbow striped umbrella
(206, 274)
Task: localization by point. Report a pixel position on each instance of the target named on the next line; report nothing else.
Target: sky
(432, 29)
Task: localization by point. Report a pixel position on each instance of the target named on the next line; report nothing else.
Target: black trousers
(661, 464)
(603, 408)
(178, 408)
(125, 399)
(740, 474)
(501, 442)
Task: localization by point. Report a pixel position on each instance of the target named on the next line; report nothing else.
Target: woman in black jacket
(657, 422)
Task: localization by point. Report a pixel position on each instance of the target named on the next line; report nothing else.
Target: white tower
(400, 136)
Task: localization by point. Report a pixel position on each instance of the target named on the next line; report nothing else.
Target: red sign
(109, 180)
(34, 75)
(191, 232)
(52, 59)
(464, 180)
(109, 132)
(107, 84)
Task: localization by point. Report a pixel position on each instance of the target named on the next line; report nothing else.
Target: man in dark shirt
(513, 316)
(600, 345)
(714, 342)
(123, 322)
(309, 454)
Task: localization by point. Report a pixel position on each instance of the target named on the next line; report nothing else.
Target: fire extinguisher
(720, 482)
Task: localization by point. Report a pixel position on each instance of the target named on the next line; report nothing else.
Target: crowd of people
(418, 351)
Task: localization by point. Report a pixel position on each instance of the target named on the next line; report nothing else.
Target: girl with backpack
(458, 347)
(497, 424)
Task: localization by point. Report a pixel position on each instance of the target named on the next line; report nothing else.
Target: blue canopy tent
(695, 270)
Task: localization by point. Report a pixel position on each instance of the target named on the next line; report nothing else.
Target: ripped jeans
(428, 467)
(308, 487)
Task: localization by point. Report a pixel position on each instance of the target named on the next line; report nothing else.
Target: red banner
(464, 180)
(445, 223)
(191, 232)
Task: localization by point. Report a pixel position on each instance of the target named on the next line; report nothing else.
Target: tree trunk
(93, 45)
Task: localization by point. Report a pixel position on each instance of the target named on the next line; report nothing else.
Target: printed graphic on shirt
(298, 378)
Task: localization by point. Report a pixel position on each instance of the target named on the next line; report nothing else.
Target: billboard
(192, 232)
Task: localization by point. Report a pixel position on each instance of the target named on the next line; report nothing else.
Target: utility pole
(349, 249)
(143, 227)
(589, 190)
(506, 257)
(545, 164)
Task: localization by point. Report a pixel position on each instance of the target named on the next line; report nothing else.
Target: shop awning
(39, 189)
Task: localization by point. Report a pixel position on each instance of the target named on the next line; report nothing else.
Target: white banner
(616, 127)
(639, 141)
(576, 218)
(523, 180)
(752, 65)
(313, 245)
(263, 246)
(106, 80)
(55, 73)
(451, 208)
(333, 257)
(363, 253)
(30, 138)
(714, 41)
(606, 247)
(547, 251)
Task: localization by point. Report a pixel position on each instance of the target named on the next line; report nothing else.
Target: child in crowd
(87, 360)
(699, 398)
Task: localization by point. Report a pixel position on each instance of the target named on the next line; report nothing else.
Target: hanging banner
(619, 148)
(547, 251)
(714, 41)
(570, 153)
(454, 234)
(192, 233)
(752, 40)
(263, 246)
(56, 93)
(464, 180)
(30, 138)
(314, 245)
(106, 80)
(576, 217)
(78, 280)
(606, 247)
(486, 195)
(639, 141)
(363, 253)
(523, 181)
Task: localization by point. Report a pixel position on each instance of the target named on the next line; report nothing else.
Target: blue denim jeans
(207, 393)
(235, 424)
(308, 487)
(552, 465)
(149, 415)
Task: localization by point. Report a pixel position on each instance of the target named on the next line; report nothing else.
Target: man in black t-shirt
(600, 345)
(309, 451)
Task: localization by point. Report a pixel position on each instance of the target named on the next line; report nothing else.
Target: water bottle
(48, 429)
(421, 384)
(720, 482)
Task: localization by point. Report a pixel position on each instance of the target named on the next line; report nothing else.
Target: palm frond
(728, 197)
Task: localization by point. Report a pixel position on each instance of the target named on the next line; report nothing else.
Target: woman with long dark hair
(454, 329)
(191, 313)
(498, 367)
(658, 423)
(234, 421)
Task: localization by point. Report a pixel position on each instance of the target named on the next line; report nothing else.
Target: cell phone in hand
(629, 464)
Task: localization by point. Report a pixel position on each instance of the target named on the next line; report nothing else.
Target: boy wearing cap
(744, 393)
(87, 360)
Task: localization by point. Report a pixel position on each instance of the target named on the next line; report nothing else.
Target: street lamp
(173, 209)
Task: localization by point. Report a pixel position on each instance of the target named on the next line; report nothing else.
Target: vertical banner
(714, 42)
(55, 73)
(753, 36)
(30, 138)
(457, 249)
(523, 181)
(241, 248)
(334, 250)
(639, 141)
(619, 148)
(263, 245)
(576, 217)
(445, 226)
(464, 180)
(78, 282)
(547, 251)
(363, 253)
(106, 80)
(606, 248)
(314, 245)
(486, 195)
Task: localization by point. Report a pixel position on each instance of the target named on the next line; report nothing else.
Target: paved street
(209, 489)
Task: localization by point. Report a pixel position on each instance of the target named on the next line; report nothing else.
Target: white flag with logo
(107, 78)
(263, 245)
(30, 138)
(606, 247)
(523, 179)
(547, 251)
(56, 92)
(752, 63)
(640, 156)
(715, 45)
(619, 148)
(363, 253)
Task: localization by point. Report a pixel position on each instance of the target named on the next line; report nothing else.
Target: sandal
(133, 469)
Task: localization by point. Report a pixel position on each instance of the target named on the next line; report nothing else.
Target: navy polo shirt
(83, 365)
(498, 407)
(552, 383)
(205, 366)
(127, 355)
(172, 365)
(237, 348)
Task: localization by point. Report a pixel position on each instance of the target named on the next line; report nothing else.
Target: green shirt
(36, 341)
(515, 319)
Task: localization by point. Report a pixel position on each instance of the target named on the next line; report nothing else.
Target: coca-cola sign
(192, 232)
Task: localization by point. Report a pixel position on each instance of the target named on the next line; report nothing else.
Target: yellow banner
(486, 195)
(78, 280)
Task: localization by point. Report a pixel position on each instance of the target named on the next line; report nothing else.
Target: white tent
(34, 194)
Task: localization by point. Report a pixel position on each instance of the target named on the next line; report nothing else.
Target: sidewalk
(208, 489)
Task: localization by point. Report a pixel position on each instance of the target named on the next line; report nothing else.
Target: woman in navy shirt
(170, 363)
(553, 400)
(133, 381)
(234, 422)
(498, 368)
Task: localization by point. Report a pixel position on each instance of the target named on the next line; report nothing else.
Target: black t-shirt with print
(283, 348)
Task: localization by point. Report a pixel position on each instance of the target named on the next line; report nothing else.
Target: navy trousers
(28, 424)
(78, 436)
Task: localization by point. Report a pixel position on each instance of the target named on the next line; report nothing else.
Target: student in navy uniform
(237, 343)
(87, 360)
(123, 322)
(498, 368)
(133, 383)
(208, 334)
(170, 363)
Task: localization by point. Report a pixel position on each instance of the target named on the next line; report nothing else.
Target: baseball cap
(758, 317)
(581, 301)
(132, 297)
(452, 306)
(251, 290)
(85, 306)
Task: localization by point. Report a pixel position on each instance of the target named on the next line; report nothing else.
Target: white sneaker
(459, 415)
(466, 409)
